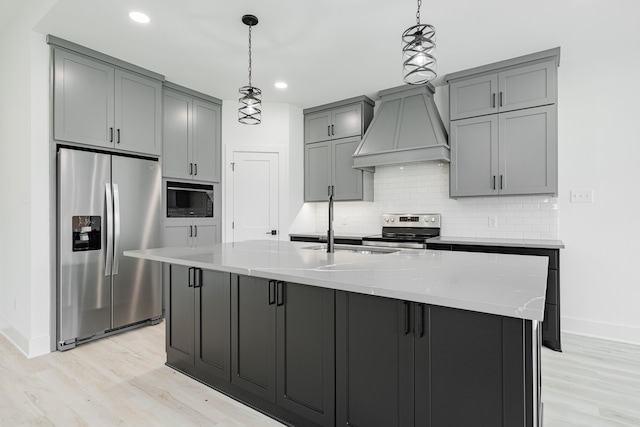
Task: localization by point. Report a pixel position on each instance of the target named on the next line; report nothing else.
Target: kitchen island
(413, 337)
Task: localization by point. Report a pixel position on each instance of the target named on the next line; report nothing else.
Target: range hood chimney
(407, 128)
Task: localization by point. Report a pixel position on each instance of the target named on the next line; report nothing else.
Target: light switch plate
(581, 196)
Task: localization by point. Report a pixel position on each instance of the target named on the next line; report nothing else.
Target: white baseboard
(609, 331)
(29, 347)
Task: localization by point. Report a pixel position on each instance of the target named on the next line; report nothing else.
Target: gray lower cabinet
(283, 345)
(409, 364)
(511, 153)
(198, 321)
(192, 131)
(311, 356)
(551, 323)
(330, 163)
(188, 232)
(101, 105)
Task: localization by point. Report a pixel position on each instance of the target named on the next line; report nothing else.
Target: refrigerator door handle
(109, 250)
(116, 228)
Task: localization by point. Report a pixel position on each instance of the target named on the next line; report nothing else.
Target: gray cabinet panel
(528, 151)
(474, 156)
(206, 141)
(191, 147)
(213, 323)
(83, 106)
(177, 134)
(317, 171)
(528, 86)
(374, 362)
(179, 313)
(332, 134)
(473, 97)
(138, 113)
(97, 104)
(346, 121)
(191, 232)
(515, 88)
(306, 351)
(346, 180)
(317, 127)
(253, 336)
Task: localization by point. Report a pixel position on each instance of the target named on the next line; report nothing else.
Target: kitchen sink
(367, 250)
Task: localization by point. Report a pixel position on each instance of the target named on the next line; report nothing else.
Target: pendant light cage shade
(418, 54)
(250, 111)
(250, 102)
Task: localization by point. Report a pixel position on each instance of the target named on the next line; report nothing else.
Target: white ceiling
(325, 50)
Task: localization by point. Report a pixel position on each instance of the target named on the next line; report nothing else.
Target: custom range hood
(407, 128)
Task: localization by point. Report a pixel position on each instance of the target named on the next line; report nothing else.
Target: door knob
(272, 232)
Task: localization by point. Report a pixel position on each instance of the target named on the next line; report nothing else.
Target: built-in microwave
(186, 200)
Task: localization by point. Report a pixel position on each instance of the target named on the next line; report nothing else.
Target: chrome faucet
(330, 230)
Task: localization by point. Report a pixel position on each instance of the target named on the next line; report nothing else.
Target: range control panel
(411, 220)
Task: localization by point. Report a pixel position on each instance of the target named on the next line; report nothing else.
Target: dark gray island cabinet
(313, 339)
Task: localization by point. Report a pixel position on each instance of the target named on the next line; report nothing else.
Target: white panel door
(255, 196)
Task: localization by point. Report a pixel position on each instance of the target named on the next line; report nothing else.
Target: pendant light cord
(250, 55)
(418, 12)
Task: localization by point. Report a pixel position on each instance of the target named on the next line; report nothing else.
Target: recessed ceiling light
(139, 17)
(281, 85)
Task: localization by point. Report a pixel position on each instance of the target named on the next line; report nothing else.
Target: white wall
(281, 132)
(24, 172)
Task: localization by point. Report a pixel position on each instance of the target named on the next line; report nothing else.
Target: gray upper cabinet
(335, 123)
(330, 163)
(506, 154)
(512, 89)
(503, 128)
(332, 134)
(191, 148)
(101, 105)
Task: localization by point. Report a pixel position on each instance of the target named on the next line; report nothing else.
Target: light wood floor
(122, 380)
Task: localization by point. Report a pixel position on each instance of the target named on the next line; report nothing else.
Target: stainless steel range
(405, 231)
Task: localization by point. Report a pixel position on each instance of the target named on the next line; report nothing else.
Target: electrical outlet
(344, 220)
(493, 221)
(581, 196)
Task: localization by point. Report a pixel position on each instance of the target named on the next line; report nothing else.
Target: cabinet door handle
(110, 134)
(197, 278)
(332, 130)
(328, 130)
(191, 231)
(118, 138)
(191, 273)
(195, 231)
(493, 100)
(420, 320)
(195, 169)
(494, 182)
(280, 294)
(406, 315)
(501, 98)
(190, 168)
(501, 182)
(272, 292)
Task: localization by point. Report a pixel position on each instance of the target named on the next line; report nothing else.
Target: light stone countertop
(492, 241)
(506, 285)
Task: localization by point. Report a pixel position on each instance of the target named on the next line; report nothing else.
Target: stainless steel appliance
(106, 204)
(405, 231)
(188, 200)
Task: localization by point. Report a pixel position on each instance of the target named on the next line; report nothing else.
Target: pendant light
(418, 50)
(250, 108)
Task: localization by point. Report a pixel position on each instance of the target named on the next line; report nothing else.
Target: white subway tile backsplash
(424, 188)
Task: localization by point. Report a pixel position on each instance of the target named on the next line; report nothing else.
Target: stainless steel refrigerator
(106, 204)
